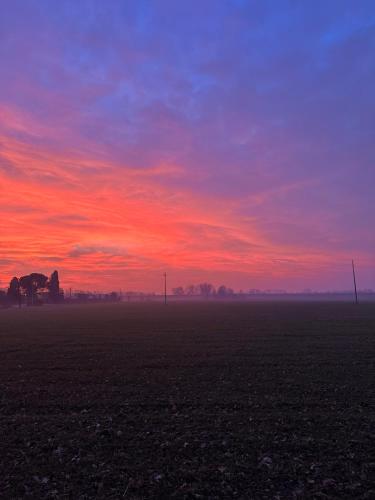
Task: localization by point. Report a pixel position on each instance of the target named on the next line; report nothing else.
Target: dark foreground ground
(204, 400)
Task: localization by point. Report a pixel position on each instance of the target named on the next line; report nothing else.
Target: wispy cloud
(80, 250)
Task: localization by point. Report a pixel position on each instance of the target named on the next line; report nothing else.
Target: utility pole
(355, 283)
(165, 288)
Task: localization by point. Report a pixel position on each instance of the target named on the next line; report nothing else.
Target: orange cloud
(104, 224)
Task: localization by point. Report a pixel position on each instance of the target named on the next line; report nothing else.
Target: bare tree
(206, 289)
(224, 291)
(191, 290)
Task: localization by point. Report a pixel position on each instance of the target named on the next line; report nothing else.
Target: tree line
(204, 290)
(29, 288)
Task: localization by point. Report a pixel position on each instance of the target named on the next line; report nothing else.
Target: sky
(226, 141)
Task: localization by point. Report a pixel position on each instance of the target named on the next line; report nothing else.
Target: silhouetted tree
(192, 290)
(4, 300)
(14, 292)
(30, 284)
(53, 286)
(224, 291)
(178, 291)
(206, 289)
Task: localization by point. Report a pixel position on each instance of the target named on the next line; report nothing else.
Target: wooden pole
(165, 288)
(355, 283)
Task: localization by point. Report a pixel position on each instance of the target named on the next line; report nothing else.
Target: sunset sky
(223, 141)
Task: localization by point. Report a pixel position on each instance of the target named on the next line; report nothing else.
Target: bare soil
(189, 400)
